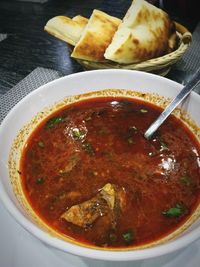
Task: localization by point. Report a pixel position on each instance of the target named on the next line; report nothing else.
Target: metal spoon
(195, 80)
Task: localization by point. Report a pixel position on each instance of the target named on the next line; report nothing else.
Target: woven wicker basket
(160, 65)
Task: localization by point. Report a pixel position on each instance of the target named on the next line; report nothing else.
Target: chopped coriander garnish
(40, 181)
(186, 180)
(130, 141)
(128, 236)
(55, 120)
(142, 110)
(163, 146)
(112, 237)
(62, 195)
(89, 118)
(174, 212)
(88, 148)
(74, 158)
(132, 130)
(41, 144)
(77, 134)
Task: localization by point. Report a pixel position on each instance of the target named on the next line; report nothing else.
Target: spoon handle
(195, 80)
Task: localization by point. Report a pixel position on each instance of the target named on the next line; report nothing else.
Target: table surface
(26, 48)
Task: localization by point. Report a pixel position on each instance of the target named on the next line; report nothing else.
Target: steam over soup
(90, 174)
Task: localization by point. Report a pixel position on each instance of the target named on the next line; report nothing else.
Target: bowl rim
(140, 254)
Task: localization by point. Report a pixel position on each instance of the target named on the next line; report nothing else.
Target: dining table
(29, 58)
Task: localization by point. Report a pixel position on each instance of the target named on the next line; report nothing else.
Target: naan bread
(96, 37)
(66, 29)
(80, 20)
(146, 32)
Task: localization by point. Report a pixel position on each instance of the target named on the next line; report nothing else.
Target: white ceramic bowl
(75, 84)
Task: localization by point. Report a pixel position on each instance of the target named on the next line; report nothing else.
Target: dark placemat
(191, 59)
(3, 36)
(189, 63)
(36, 78)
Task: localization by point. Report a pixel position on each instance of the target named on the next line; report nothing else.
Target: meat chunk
(87, 212)
(108, 193)
(108, 201)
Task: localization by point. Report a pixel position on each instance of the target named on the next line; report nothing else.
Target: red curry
(78, 150)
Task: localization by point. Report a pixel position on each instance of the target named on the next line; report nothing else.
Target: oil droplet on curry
(90, 174)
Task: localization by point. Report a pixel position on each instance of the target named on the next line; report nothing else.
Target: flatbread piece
(146, 32)
(96, 36)
(66, 29)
